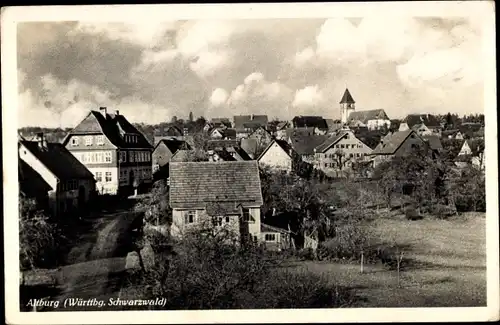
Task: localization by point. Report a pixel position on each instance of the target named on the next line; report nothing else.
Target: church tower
(346, 106)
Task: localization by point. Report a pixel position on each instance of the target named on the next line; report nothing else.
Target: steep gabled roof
(365, 116)
(216, 143)
(434, 142)
(310, 122)
(476, 146)
(287, 148)
(221, 121)
(173, 144)
(31, 184)
(56, 158)
(392, 141)
(428, 119)
(111, 126)
(249, 121)
(305, 145)
(332, 140)
(347, 98)
(196, 184)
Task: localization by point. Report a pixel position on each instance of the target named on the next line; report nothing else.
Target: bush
(349, 240)
(208, 272)
(443, 211)
(411, 213)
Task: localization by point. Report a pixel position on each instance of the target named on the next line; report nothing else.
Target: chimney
(103, 111)
(251, 117)
(117, 112)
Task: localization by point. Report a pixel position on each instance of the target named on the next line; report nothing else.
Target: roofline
(333, 143)
(55, 176)
(269, 146)
(399, 146)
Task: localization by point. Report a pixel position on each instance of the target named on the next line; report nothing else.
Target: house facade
(336, 156)
(400, 143)
(246, 124)
(423, 124)
(71, 184)
(371, 119)
(118, 155)
(278, 155)
(164, 151)
(217, 194)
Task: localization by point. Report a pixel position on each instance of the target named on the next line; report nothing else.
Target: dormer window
(74, 141)
(100, 140)
(88, 140)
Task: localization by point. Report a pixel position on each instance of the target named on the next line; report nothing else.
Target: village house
(339, 152)
(221, 122)
(220, 154)
(238, 153)
(333, 125)
(274, 238)
(304, 142)
(372, 119)
(400, 143)
(170, 132)
(317, 123)
(246, 124)
(225, 194)
(423, 124)
(164, 150)
(32, 185)
(434, 142)
(72, 185)
(281, 127)
(472, 130)
(222, 133)
(452, 134)
(278, 155)
(472, 151)
(117, 154)
(262, 136)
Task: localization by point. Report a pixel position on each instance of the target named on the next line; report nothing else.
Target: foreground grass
(448, 265)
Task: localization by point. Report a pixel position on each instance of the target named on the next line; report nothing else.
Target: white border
(11, 15)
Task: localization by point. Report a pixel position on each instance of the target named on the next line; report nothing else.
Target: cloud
(308, 97)
(255, 95)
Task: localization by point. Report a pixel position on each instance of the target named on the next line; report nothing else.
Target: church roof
(347, 98)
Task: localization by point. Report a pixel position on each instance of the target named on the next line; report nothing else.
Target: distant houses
(71, 183)
(423, 124)
(246, 124)
(220, 194)
(113, 150)
(400, 143)
(371, 119)
(472, 151)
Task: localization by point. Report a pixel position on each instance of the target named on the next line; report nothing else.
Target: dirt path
(99, 260)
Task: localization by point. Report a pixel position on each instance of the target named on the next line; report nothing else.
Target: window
(108, 177)
(217, 221)
(98, 177)
(247, 217)
(88, 140)
(190, 217)
(347, 136)
(342, 146)
(74, 141)
(107, 156)
(326, 165)
(123, 156)
(100, 140)
(353, 146)
(351, 155)
(270, 237)
(132, 156)
(227, 219)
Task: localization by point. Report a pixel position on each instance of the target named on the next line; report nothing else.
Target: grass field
(450, 268)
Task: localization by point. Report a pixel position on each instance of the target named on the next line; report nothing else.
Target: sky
(151, 71)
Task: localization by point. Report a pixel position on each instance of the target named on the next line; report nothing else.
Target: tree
(191, 117)
(174, 119)
(342, 162)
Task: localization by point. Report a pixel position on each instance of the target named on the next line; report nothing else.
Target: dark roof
(213, 144)
(31, 184)
(468, 129)
(428, 119)
(171, 130)
(249, 121)
(434, 142)
(447, 133)
(332, 124)
(365, 116)
(221, 121)
(332, 140)
(282, 125)
(309, 121)
(112, 126)
(347, 98)
(173, 144)
(226, 133)
(305, 145)
(392, 141)
(249, 145)
(282, 144)
(240, 152)
(58, 160)
(299, 132)
(194, 184)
